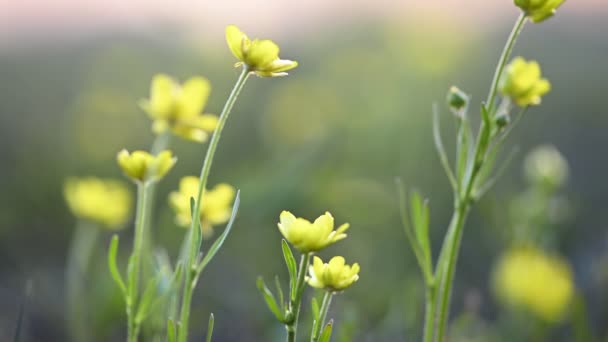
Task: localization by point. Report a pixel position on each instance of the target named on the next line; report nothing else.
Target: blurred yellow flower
(545, 165)
(179, 107)
(539, 10)
(522, 82)
(142, 166)
(309, 236)
(104, 201)
(260, 56)
(333, 276)
(216, 206)
(527, 278)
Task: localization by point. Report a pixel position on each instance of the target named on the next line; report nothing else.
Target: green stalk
(81, 249)
(322, 316)
(296, 301)
(446, 266)
(429, 317)
(134, 268)
(194, 233)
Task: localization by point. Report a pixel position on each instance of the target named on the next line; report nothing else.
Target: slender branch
(194, 238)
(322, 316)
(296, 301)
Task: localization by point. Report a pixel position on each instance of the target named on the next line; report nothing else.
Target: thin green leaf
(220, 240)
(195, 227)
(277, 283)
(290, 261)
(415, 245)
(443, 158)
(210, 327)
(113, 250)
(420, 221)
(326, 334)
(464, 147)
(170, 330)
(270, 300)
(146, 299)
(315, 309)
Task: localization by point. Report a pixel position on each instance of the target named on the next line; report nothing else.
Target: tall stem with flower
(519, 82)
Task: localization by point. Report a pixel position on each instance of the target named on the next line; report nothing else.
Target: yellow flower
(142, 166)
(104, 201)
(539, 10)
(216, 206)
(179, 107)
(260, 56)
(333, 276)
(523, 83)
(527, 278)
(309, 236)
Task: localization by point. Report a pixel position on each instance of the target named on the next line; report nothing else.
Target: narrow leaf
(277, 283)
(326, 334)
(443, 158)
(146, 299)
(113, 266)
(270, 300)
(315, 309)
(210, 327)
(290, 261)
(220, 240)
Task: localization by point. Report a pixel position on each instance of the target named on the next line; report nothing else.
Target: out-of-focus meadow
(332, 136)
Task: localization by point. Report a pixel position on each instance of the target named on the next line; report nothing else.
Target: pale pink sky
(22, 20)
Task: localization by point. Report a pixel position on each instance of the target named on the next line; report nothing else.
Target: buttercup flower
(539, 10)
(104, 201)
(523, 83)
(179, 108)
(216, 206)
(260, 56)
(142, 166)
(527, 278)
(546, 166)
(333, 276)
(310, 237)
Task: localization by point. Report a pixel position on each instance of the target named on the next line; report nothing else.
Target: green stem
(322, 316)
(194, 233)
(79, 256)
(446, 265)
(429, 318)
(134, 268)
(502, 62)
(296, 301)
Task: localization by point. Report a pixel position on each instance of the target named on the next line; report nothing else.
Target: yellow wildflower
(216, 205)
(523, 83)
(333, 276)
(539, 10)
(309, 236)
(104, 201)
(142, 166)
(260, 56)
(526, 277)
(179, 107)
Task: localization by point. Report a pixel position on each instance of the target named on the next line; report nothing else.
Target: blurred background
(332, 136)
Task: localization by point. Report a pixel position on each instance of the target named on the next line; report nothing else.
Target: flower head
(309, 236)
(104, 201)
(216, 205)
(527, 278)
(523, 83)
(539, 10)
(178, 107)
(333, 276)
(260, 56)
(142, 166)
(546, 166)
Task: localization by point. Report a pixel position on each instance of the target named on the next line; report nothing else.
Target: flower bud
(539, 10)
(458, 101)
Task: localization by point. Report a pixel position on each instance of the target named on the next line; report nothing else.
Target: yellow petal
(235, 38)
(193, 97)
(161, 96)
